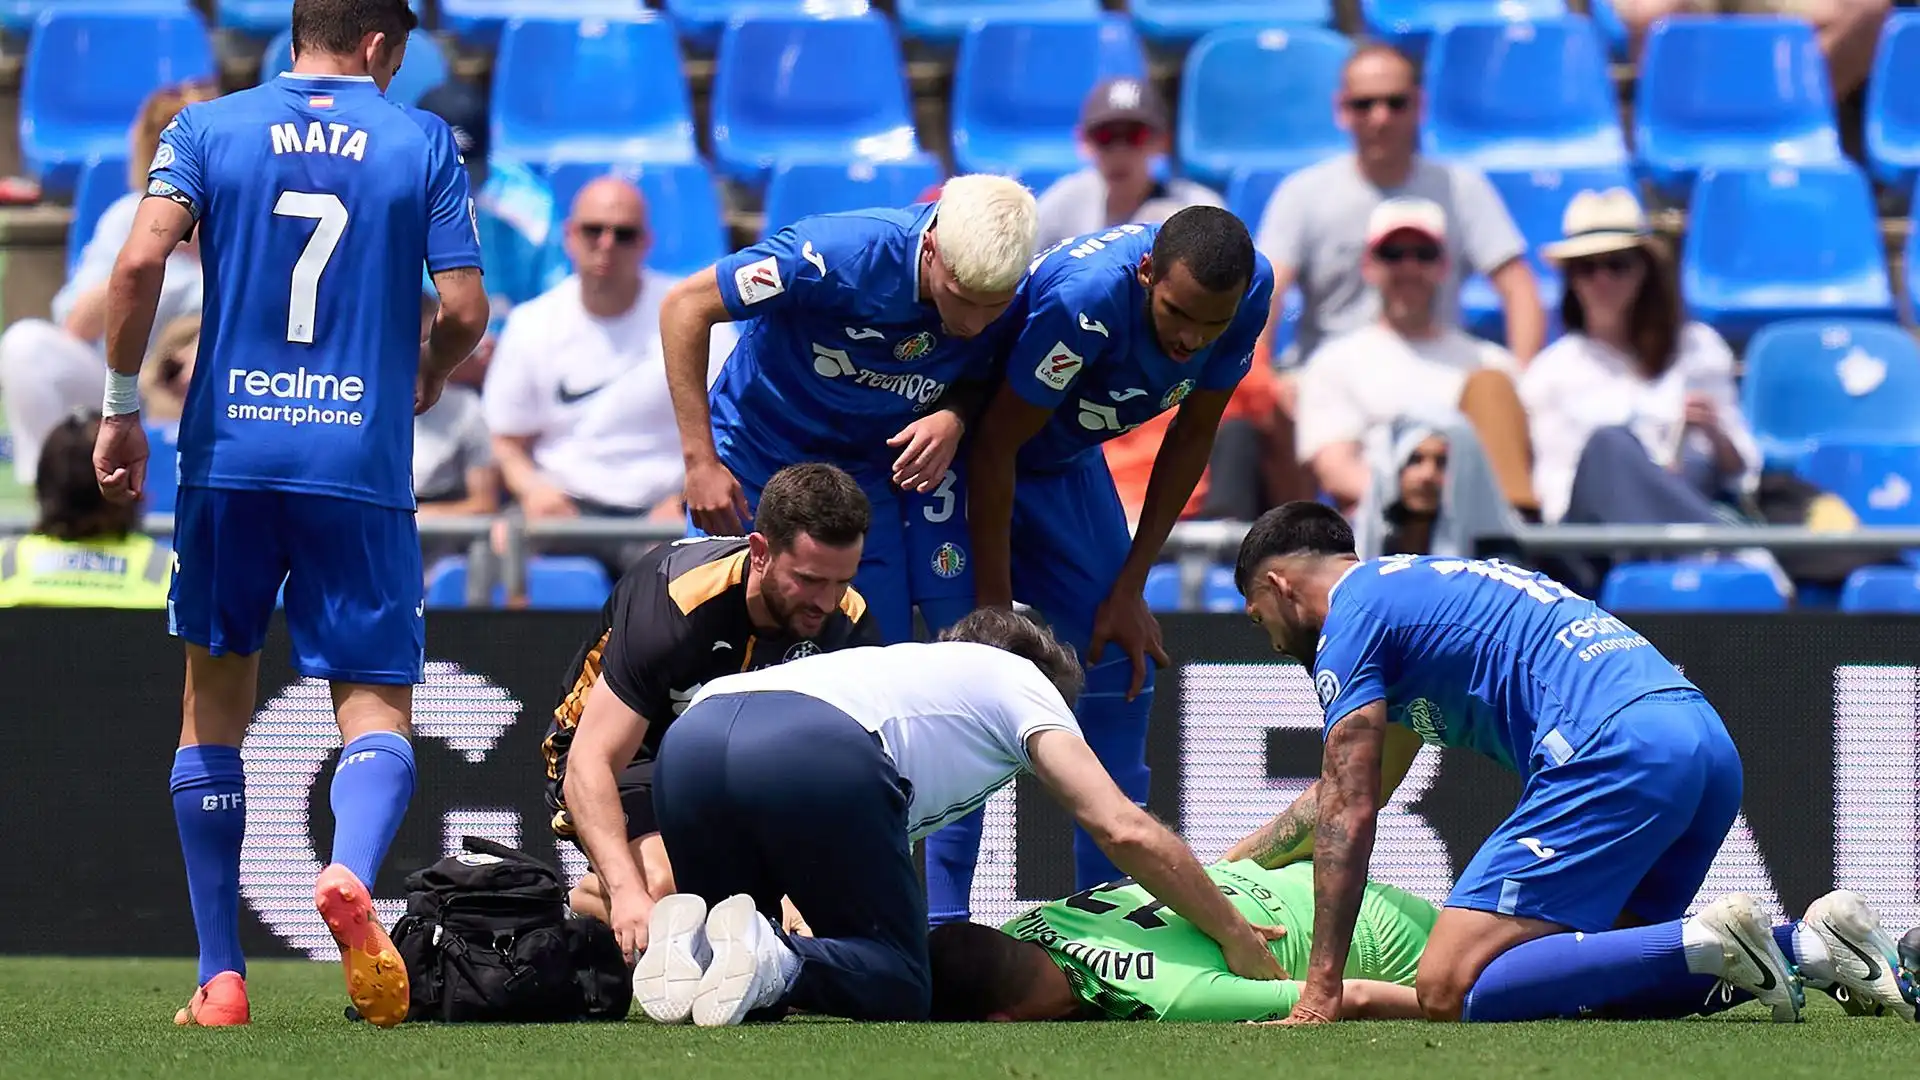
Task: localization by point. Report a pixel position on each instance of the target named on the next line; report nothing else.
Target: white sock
(789, 960)
(1705, 955)
(1812, 958)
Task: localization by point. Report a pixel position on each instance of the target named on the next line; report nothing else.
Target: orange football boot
(376, 976)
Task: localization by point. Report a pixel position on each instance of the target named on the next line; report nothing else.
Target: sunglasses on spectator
(1108, 135)
(1617, 265)
(622, 234)
(1394, 254)
(1393, 102)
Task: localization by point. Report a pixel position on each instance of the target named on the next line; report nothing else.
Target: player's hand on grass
(120, 458)
(715, 499)
(547, 501)
(629, 915)
(1313, 1008)
(927, 447)
(1125, 621)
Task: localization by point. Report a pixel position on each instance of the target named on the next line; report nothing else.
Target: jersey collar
(331, 82)
(919, 244)
(1341, 580)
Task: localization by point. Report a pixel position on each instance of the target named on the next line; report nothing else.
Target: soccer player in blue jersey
(317, 202)
(1119, 327)
(1576, 905)
(860, 327)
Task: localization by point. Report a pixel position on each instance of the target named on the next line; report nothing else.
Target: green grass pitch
(113, 1018)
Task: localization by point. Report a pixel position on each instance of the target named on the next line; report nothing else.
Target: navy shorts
(355, 591)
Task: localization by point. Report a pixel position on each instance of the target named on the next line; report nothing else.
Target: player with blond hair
(860, 329)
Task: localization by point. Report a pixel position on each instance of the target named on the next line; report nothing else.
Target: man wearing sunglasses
(1124, 132)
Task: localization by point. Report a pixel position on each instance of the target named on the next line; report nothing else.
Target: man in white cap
(1124, 130)
(1411, 363)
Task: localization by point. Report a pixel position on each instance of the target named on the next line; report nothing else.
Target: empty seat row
(1729, 587)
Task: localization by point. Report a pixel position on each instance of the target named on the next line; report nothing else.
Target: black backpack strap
(480, 845)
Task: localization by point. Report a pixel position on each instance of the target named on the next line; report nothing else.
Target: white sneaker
(749, 968)
(669, 971)
(1753, 962)
(1864, 958)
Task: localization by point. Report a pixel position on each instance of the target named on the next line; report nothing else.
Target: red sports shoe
(220, 1003)
(376, 976)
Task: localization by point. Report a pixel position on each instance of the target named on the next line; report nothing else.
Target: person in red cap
(1124, 130)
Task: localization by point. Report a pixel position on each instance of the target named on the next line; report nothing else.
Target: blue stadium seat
(1018, 87)
(425, 66)
(1689, 586)
(1260, 99)
(102, 182)
(1181, 22)
(1893, 103)
(1822, 255)
(809, 90)
(566, 583)
(1509, 95)
(1220, 593)
(447, 582)
(1408, 24)
(1880, 481)
(87, 72)
(1818, 380)
(804, 188)
(1881, 590)
(946, 21)
(700, 21)
(595, 90)
(481, 22)
(1913, 258)
(163, 472)
(1248, 193)
(1743, 91)
(683, 210)
(19, 16)
(263, 17)
(1162, 592)
(1538, 202)
(1612, 30)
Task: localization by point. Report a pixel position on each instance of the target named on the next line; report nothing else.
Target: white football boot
(1754, 962)
(1863, 957)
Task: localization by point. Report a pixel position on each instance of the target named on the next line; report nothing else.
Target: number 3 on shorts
(331, 214)
(940, 501)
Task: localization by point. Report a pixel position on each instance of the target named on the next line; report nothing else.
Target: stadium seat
(87, 72)
(1162, 592)
(1912, 259)
(944, 22)
(1879, 480)
(595, 90)
(1893, 103)
(102, 182)
(809, 90)
(1248, 193)
(1220, 594)
(1689, 586)
(1821, 257)
(700, 21)
(19, 16)
(1408, 24)
(263, 17)
(683, 210)
(1537, 200)
(1612, 30)
(804, 188)
(1745, 91)
(1512, 95)
(447, 582)
(1817, 381)
(481, 22)
(424, 69)
(566, 583)
(163, 471)
(1181, 22)
(1881, 590)
(1018, 87)
(1260, 99)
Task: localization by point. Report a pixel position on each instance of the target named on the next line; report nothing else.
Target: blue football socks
(1568, 976)
(371, 788)
(209, 807)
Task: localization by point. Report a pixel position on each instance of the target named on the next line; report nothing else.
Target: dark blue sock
(1116, 729)
(210, 808)
(1568, 976)
(951, 855)
(371, 787)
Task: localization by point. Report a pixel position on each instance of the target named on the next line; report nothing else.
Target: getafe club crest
(949, 560)
(1177, 393)
(914, 347)
(804, 648)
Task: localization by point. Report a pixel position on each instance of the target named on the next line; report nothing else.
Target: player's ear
(1145, 273)
(759, 551)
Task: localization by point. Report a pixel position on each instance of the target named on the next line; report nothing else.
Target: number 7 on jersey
(331, 217)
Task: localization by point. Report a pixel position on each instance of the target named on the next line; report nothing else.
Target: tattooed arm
(1288, 838)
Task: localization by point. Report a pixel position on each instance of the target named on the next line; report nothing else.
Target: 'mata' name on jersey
(838, 352)
(317, 201)
(1480, 654)
(1087, 348)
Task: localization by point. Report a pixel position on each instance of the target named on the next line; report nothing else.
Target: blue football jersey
(837, 351)
(317, 201)
(1087, 348)
(1480, 654)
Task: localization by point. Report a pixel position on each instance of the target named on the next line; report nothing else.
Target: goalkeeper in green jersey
(1116, 953)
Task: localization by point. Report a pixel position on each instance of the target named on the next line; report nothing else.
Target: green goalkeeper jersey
(1129, 957)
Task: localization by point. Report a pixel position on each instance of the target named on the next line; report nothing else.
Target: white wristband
(123, 394)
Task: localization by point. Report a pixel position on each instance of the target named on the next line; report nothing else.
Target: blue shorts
(1626, 825)
(355, 591)
(1070, 539)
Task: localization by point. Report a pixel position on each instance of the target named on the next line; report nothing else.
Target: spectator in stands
(1634, 411)
(169, 367)
(514, 212)
(453, 469)
(1125, 130)
(1411, 363)
(84, 551)
(577, 395)
(1849, 30)
(1315, 225)
(48, 369)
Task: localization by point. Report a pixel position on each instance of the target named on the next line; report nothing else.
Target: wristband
(123, 394)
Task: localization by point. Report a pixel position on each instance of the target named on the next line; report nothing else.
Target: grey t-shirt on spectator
(448, 440)
(1316, 223)
(1077, 204)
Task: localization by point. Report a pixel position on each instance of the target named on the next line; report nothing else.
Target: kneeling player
(685, 614)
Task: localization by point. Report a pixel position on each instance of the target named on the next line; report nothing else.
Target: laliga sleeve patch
(162, 158)
(758, 280)
(1327, 685)
(1059, 366)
